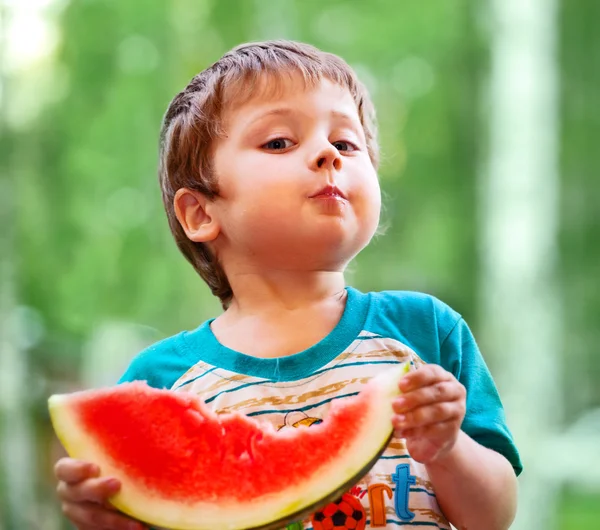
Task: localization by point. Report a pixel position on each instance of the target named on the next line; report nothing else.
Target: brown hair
(194, 120)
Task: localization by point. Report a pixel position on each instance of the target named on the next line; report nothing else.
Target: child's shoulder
(418, 320)
(414, 306)
(161, 363)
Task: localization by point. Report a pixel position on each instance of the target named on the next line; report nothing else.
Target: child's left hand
(429, 412)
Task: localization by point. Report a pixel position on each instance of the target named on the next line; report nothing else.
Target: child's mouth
(329, 192)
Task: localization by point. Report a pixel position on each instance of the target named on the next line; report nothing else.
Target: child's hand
(429, 412)
(84, 497)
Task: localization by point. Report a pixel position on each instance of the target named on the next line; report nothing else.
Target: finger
(438, 392)
(93, 517)
(430, 414)
(424, 376)
(436, 430)
(97, 490)
(109, 506)
(72, 471)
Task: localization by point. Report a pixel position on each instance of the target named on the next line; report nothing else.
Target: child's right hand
(84, 497)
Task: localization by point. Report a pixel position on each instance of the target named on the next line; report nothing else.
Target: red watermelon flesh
(183, 466)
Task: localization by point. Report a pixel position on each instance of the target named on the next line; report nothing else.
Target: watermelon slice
(185, 467)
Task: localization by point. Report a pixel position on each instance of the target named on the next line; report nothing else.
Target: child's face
(297, 187)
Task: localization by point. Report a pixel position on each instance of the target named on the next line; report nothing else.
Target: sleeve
(160, 365)
(485, 420)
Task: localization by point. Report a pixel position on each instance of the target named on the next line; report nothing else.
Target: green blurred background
(488, 113)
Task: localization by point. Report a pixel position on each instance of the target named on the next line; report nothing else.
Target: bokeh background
(489, 114)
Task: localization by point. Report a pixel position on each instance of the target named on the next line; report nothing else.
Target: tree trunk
(522, 327)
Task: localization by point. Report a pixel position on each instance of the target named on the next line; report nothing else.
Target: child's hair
(194, 120)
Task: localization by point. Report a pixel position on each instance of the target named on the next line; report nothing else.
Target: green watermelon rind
(331, 497)
(309, 510)
(268, 512)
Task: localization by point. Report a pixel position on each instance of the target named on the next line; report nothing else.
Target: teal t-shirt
(376, 330)
(431, 329)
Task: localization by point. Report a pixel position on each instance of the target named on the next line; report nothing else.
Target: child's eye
(344, 146)
(278, 144)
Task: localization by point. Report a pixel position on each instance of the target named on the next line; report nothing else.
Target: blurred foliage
(92, 244)
(580, 200)
(579, 511)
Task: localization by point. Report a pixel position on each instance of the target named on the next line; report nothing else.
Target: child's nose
(328, 158)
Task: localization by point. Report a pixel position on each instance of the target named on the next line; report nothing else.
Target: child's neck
(282, 291)
(281, 314)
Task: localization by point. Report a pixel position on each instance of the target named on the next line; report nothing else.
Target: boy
(268, 175)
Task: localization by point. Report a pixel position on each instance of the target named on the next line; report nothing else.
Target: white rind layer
(152, 508)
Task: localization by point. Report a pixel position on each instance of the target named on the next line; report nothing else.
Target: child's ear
(193, 212)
